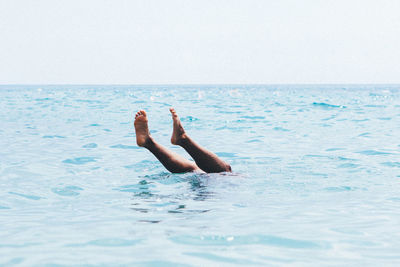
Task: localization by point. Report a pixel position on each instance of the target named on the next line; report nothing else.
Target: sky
(199, 42)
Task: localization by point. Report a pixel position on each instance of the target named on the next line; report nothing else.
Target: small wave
(90, 101)
(253, 117)
(339, 188)
(248, 240)
(254, 141)
(326, 105)
(68, 191)
(334, 149)
(90, 145)
(32, 197)
(189, 118)
(159, 263)
(281, 129)
(44, 99)
(107, 242)
(364, 134)
(24, 245)
(226, 154)
(391, 164)
(124, 146)
(53, 136)
(373, 153)
(375, 106)
(214, 257)
(80, 160)
(142, 186)
(348, 165)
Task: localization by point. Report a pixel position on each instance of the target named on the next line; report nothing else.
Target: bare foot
(142, 129)
(178, 133)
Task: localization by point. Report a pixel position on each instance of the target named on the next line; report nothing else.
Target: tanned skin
(205, 161)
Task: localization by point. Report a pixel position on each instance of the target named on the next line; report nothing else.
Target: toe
(173, 112)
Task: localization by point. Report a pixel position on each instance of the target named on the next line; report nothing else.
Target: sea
(315, 181)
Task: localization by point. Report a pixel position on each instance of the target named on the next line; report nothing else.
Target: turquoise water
(315, 182)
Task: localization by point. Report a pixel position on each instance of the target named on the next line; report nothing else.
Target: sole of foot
(142, 128)
(178, 133)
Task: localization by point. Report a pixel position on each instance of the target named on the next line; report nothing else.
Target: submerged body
(205, 161)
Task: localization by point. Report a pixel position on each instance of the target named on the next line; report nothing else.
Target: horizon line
(187, 84)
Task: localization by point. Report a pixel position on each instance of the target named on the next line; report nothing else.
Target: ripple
(90, 101)
(346, 159)
(189, 118)
(142, 187)
(53, 136)
(236, 129)
(248, 240)
(281, 129)
(44, 99)
(326, 105)
(90, 145)
(329, 118)
(348, 165)
(229, 112)
(28, 244)
(33, 197)
(162, 263)
(217, 258)
(124, 146)
(365, 134)
(187, 211)
(375, 106)
(316, 156)
(68, 191)
(253, 117)
(107, 242)
(143, 165)
(254, 141)
(373, 153)
(80, 160)
(226, 154)
(150, 221)
(391, 164)
(334, 149)
(339, 188)
(14, 261)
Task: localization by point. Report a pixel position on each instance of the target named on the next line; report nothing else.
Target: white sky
(183, 41)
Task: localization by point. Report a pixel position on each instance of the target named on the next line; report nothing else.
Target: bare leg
(172, 161)
(206, 160)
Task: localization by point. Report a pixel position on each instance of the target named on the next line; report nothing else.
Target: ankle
(149, 142)
(184, 139)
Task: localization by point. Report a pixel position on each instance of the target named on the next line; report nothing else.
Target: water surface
(315, 182)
